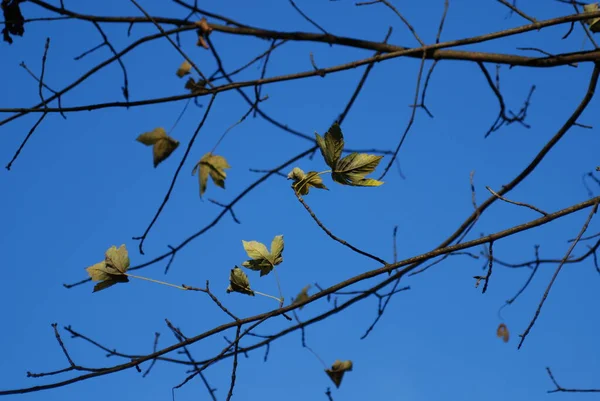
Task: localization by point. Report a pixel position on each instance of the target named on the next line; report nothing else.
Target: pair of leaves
(337, 370)
(352, 169)
(213, 166)
(112, 269)
(163, 145)
(261, 259)
(303, 181)
(239, 282)
(502, 332)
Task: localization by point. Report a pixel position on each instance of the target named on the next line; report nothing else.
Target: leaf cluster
(349, 170)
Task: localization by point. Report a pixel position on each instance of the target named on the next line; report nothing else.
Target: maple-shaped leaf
(213, 166)
(261, 259)
(238, 282)
(331, 145)
(337, 370)
(302, 296)
(112, 269)
(303, 181)
(163, 145)
(352, 169)
(502, 332)
(184, 69)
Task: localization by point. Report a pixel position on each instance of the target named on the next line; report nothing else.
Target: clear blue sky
(84, 184)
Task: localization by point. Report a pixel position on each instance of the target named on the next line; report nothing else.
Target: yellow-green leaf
(238, 282)
(337, 370)
(277, 245)
(163, 145)
(303, 182)
(260, 258)
(331, 145)
(112, 269)
(213, 166)
(352, 169)
(151, 137)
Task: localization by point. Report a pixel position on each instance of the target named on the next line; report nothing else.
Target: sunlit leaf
(352, 169)
(184, 69)
(213, 166)
(337, 370)
(502, 332)
(302, 296)
(260, 258)
(331, 145)
(163, 144)
(112, 269)
(238, 282)
(303, 182)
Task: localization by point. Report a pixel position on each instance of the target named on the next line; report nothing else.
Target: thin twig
(332, 236)
(516, 203)
(558, 269)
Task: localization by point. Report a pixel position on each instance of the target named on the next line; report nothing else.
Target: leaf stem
(156, 281)
(267, 295)
(325, 172)
(278, 287)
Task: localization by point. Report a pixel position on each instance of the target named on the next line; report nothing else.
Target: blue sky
(84, 184)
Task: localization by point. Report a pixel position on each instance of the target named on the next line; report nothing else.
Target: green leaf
(163, 144)
(260, 258)
(112, 269)
(238, 282)
(331, 145)
(303, 182)
(352, 169)
(337, 370)
(302, 296)
(213, 166)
